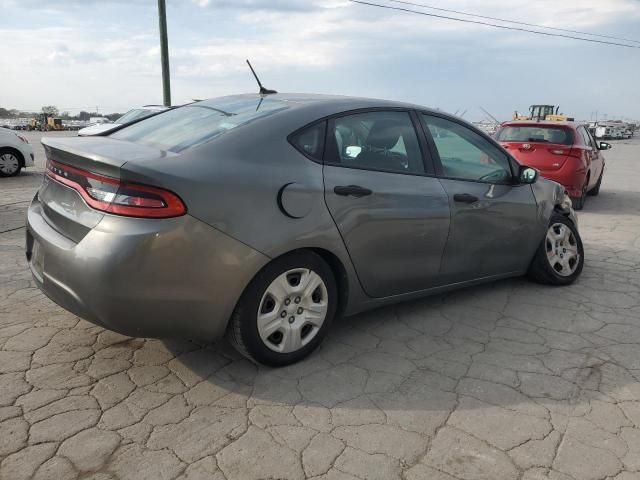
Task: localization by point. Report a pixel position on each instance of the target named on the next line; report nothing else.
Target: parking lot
(511, 380)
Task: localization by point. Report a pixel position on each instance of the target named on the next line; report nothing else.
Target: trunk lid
(101, 155)
(64, 209)
(543, 156)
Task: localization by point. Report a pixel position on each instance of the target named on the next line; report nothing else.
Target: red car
(565, 152)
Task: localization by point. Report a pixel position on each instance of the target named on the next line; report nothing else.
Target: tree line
(53, 111)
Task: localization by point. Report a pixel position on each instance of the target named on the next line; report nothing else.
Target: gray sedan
(263, 217)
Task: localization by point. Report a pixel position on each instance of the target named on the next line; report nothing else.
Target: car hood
(97, 128)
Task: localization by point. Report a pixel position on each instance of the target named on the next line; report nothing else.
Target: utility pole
(164, 53)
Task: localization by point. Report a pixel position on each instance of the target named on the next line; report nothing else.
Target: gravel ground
(508, 381)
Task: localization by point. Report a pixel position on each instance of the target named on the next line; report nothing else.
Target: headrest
(385, 133)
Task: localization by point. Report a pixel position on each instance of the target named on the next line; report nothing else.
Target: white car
(130, 116)
(15, 153)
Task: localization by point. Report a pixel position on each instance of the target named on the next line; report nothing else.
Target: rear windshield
(535, 133)
(181, 128)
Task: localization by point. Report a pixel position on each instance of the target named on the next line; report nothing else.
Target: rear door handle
(353, 190)
(465, 198)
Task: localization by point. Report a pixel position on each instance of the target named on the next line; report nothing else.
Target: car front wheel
(560, 257)
(10, 164)
(286, 310)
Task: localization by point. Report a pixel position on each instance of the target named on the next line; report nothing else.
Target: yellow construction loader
(543, 112)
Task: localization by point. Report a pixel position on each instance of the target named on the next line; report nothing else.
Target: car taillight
(114, 196)
(569, 152)
(22, 138)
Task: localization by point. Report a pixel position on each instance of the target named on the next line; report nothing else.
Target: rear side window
(535, 133)
(192, 125)
(377, 141)
(310, 141)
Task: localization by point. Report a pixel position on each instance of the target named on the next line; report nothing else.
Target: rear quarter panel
(233, 184)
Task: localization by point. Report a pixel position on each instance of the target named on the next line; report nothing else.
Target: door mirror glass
(604, 146)
(528, 174)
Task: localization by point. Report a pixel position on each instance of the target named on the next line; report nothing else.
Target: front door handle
(353, 190)
(465, 198)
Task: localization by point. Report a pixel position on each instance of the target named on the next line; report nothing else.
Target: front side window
(592, 141)
(466, 155)
(377, 141)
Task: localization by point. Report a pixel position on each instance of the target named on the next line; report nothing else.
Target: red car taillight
(569, 152)
(114, 196)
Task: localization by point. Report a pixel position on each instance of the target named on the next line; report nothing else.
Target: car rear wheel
(10, 164)
(596, 190)
(578, 202)
(286, 310)
(560, 257)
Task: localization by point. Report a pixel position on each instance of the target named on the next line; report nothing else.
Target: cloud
(107, 51)
(277, 5)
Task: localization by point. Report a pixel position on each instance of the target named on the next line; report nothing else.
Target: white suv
(15, 153)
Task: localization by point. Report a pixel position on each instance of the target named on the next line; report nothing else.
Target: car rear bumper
(174, 277)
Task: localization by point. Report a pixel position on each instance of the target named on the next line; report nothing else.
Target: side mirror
(604, 146)
(528, 175)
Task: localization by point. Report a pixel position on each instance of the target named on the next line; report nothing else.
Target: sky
(83, 54)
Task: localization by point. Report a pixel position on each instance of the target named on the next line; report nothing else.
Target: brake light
(22, 138)
(569, 152)
(113, 196)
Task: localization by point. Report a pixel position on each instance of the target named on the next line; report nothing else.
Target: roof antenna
(263, 91)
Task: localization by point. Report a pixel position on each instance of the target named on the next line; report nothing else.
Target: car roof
(542, 123)
(302, 109)
(322, 103)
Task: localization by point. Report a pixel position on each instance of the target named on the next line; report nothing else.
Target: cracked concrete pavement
(510, 380)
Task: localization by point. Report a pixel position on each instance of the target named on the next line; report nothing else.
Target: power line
(512, 21)
(504, 27)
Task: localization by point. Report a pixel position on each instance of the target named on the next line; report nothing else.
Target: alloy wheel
(9, 164)
(562, 249)
(292, 310)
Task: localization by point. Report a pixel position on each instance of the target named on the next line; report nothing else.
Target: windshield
(535, 133)
(195, 124)
(135, 114)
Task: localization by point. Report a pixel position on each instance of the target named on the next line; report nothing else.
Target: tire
(578, 202)
(10, 162)
(547, 267)
(292, 325)
(596, 190)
